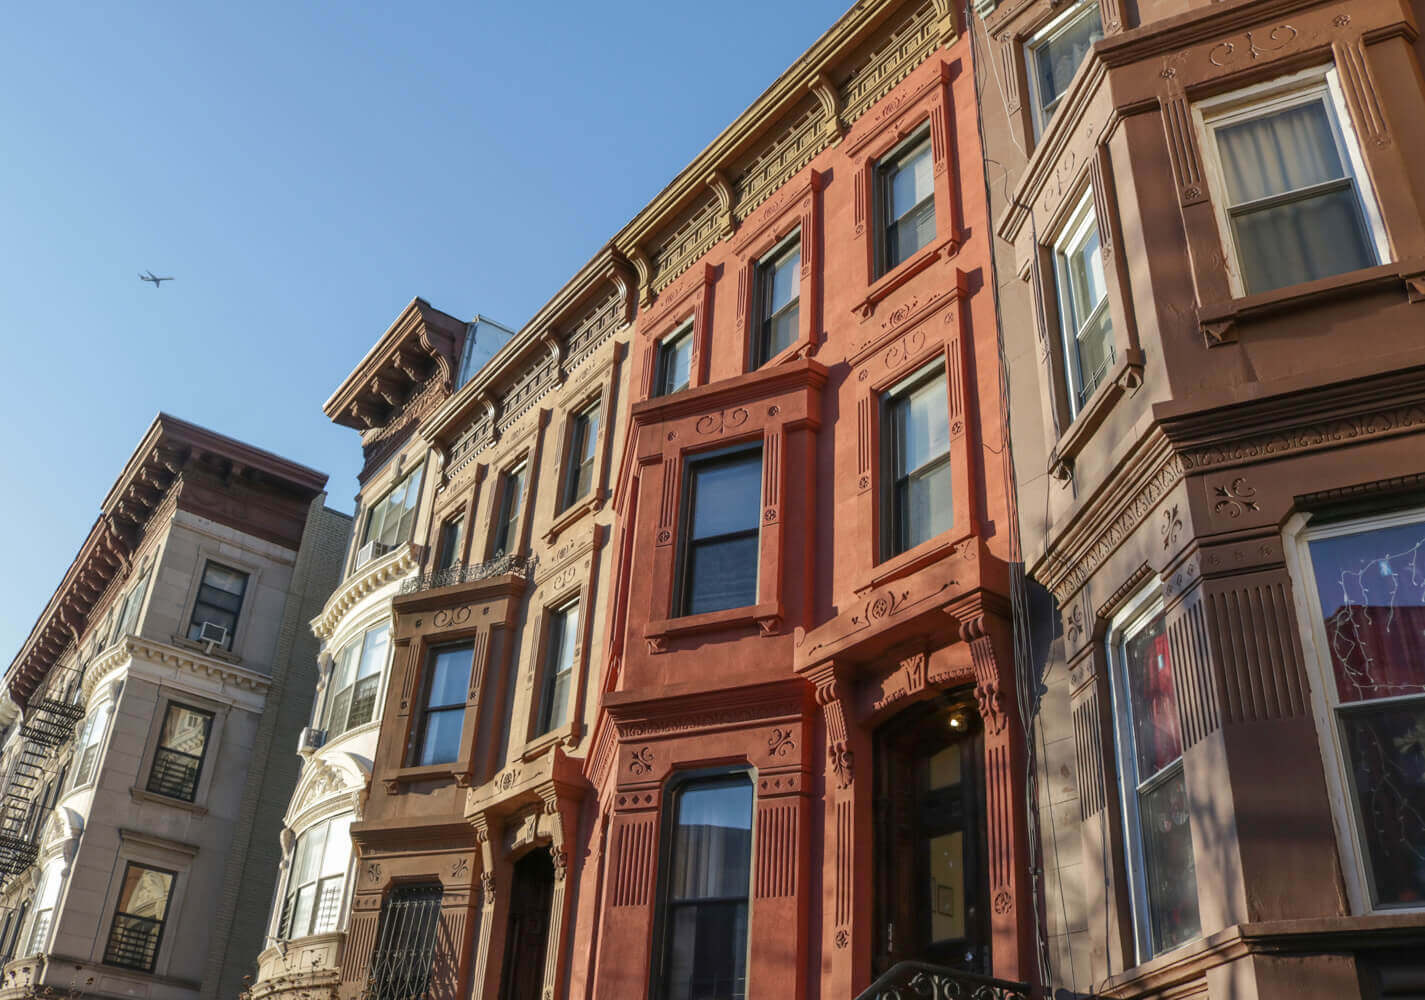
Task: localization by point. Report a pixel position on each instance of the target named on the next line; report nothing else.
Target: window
(1084, 318)
(182, 744)
(443, 717)
(405, 942)
(507, 527)
(707, 873)
(132, 604)
(13, 940)
(675, 362)
(905, 183)
(919, 502)
(451, 533)
(1367, 601)
(219, 600)
(91, 741)
(137, 930)
(1295, 204)
(45, 901)
(562, 640)
(314, 896)
(723, 523)
(583, 436)
(779, 282)
(1054, 55)
(1154, 794)
(356, 680)
(392, 520)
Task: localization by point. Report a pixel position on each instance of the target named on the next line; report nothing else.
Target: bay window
(356, 680)
(314, 896)
(392, 519)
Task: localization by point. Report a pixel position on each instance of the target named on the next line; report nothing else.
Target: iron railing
(513, 564)
(133, 942)
(923, 981)
(175, 774)
(404, 954)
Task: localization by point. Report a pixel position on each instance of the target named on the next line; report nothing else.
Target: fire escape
(47, 726)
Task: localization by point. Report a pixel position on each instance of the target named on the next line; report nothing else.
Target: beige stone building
(149, 716)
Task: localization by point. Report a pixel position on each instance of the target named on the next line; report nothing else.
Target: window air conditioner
(213, 634)
(371, 550)
(311, 740)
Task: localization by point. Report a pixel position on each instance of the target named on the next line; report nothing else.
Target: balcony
(454, 576)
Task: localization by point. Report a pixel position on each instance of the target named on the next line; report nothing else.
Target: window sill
(217, 653)
(903, 272)
(567, 734)
(591, 503)
(1123, 380)
(767, 616)
(909, 561)
(457, 771)
(144, 795)
(1219, 322)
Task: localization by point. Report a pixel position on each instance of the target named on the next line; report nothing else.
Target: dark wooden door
(929, 839)
(530, 899)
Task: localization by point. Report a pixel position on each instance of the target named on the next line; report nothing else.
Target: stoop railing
(923, 981)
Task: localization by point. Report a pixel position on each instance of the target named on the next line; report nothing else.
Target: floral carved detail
(1167, 72)
(561, 862)
(1172, 527)
(716, 423)
(773, 410)
(460, 868)
(1235, 498)
(991, 706)
(506, 781)
(1341, 20)
(1074, 628)
(642, 761)
(900, 352)
(665, 536)
(864, 483)
(780, 743)
(842, 938)
(1278, 38)
(373, 872)
(1003, 902)
(769, 515)
(841, 760)
(880, 606)
(487, 886)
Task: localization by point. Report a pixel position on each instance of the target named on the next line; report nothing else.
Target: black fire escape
(47, 725)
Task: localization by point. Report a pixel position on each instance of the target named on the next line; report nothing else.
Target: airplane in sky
(150, 276)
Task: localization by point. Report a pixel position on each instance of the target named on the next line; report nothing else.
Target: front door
(929, 843)
(530, 899)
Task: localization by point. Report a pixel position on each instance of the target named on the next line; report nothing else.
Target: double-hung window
(583, 440)
(507, 525)
(1053, 56)
(45, 901)
(1366, 594)
(137, 930)
(91, 742)
(215, 612)
(132, 604)
(1155, 801)
(451, 533)
(779, 283)
(905, 190)
(561, 641)
(1084, 317)
(182, 745)
(312, 903)
(392, 520)
(356, 680)
(675, 362)
(919, 501)
(723, 531)
(707, 875)
(1293, 201)
(443, 715)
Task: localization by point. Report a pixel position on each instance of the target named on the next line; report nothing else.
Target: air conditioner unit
(371, 550)
(212, 634)
(311, 740)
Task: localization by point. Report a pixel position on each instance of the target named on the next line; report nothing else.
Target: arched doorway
(531, 895)
(929, 837)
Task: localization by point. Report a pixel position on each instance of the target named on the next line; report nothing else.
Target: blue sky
(303, 171)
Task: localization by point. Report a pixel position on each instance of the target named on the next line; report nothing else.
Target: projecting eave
(421, 343)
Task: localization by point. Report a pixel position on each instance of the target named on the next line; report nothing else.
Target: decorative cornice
(132, 647)
(370, 577)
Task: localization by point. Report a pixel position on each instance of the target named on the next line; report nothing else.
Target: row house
(139, 781)
(1211, 258)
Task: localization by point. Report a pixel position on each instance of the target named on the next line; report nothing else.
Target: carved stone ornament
(842, 762)
(780, 743)
(641, 761)
(487, 887)
(1235, 498)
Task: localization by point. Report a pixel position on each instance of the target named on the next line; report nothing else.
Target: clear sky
(303, 171)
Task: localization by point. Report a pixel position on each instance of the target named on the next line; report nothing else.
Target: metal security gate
(405, 943)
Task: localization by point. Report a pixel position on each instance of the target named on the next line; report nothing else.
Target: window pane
(1284, 151)
(1371, 587)
(947, 886)
(1057, 59)
(1171, 871)
(1086, 283)
(507, 532)
(223, 579)
(328, 905)
(727, 495)
(1385, 749)
(909, 234)
(712, 844)
(362, 701)
(677, 363)
(373, 653)
(337, 720)
(336, 853)
(1095, 348)
(1302, 240)
(912, 181)
(449, 675)
(145, 892)
(307, 858)
(926, 506)
(345, 668)
(707, 952)
(780, 333)
(301, 918)
(185, 730)
(1149, 670)
(722, 574)
(450, 533)
(441, 744)
(785, 282)
(921, 424)
(563, 637)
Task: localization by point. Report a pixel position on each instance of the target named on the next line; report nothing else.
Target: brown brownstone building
(1211, 272)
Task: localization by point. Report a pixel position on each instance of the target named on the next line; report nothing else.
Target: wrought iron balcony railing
(513, 564)
(922, 981)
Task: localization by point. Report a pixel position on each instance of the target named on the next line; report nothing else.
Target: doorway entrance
(929, 838)
(531, 895)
